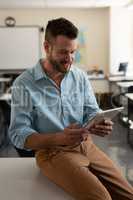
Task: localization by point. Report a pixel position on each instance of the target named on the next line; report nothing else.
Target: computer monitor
(123, 67)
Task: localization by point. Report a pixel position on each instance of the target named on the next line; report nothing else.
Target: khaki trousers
(85, 172)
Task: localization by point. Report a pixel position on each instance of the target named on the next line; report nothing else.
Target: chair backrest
(130, 89)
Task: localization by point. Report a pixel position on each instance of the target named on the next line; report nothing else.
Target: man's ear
(46, 46)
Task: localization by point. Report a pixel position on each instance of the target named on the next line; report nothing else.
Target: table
(5, 97)
(120, 78)
(114, 79)
(20, 179)
(125, 84)
(2, 79)
(122, 89)
(129, 96)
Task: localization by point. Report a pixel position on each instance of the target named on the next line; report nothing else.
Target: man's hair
(60, 26)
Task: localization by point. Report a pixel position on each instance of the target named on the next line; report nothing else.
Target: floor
(115, 145)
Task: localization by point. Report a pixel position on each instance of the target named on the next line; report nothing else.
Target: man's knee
(90, 197)
(105, 196)
(97, 197)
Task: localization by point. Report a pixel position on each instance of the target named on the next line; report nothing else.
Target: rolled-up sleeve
(21, 124)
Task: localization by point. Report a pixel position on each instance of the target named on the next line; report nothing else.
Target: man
(50, 103)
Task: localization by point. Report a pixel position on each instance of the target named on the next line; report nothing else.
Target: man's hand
(72, 135)
(103, 128)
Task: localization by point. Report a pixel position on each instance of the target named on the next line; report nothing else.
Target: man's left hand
(102, 128)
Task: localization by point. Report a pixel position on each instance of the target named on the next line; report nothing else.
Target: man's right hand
(72, 135)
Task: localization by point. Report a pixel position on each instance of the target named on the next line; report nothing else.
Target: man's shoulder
(25, 76)
(78, 72)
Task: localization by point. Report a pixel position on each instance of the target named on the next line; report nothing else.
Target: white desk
(20, 179)
(120, 78)
(125, 84)
(114, 79)
(5, 97)
(2, 79)
(129, 96)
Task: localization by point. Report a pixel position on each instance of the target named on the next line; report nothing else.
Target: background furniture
(130, 118)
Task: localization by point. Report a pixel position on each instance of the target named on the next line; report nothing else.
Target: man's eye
(63, 52)
(73, 52)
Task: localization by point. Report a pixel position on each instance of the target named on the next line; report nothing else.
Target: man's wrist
(58, 138)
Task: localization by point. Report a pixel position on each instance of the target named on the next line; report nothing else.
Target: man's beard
(58, 66)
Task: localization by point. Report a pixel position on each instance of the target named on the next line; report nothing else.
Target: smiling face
(60, 52)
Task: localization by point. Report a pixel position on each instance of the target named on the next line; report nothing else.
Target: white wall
(121, 38)
(94, 21)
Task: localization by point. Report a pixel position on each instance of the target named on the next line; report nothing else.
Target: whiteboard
(19, 47)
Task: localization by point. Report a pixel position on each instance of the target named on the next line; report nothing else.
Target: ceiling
(62, 3)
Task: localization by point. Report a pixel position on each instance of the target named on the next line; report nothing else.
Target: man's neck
(51, 72)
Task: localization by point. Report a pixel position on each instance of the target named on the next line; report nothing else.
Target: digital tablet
(106, 114)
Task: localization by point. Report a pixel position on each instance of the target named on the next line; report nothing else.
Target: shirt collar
(39, 73)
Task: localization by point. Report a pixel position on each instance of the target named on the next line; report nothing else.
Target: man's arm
(22, 132)
(71, 135)
(21, 119)
(37, 141)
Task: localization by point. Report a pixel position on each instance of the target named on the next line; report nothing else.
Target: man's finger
(100, 132)
(108, 122)
(103, 127)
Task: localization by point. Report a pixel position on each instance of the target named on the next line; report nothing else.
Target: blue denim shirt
(38, 105)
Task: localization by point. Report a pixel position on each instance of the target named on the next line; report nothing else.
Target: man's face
(60, 52)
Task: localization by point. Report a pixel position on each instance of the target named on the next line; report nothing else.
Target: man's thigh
(70, 171)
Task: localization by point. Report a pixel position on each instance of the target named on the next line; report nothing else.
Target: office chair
(118, 100)
(130, 119)
(24, 153)
(4, 124)
(2, 130)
